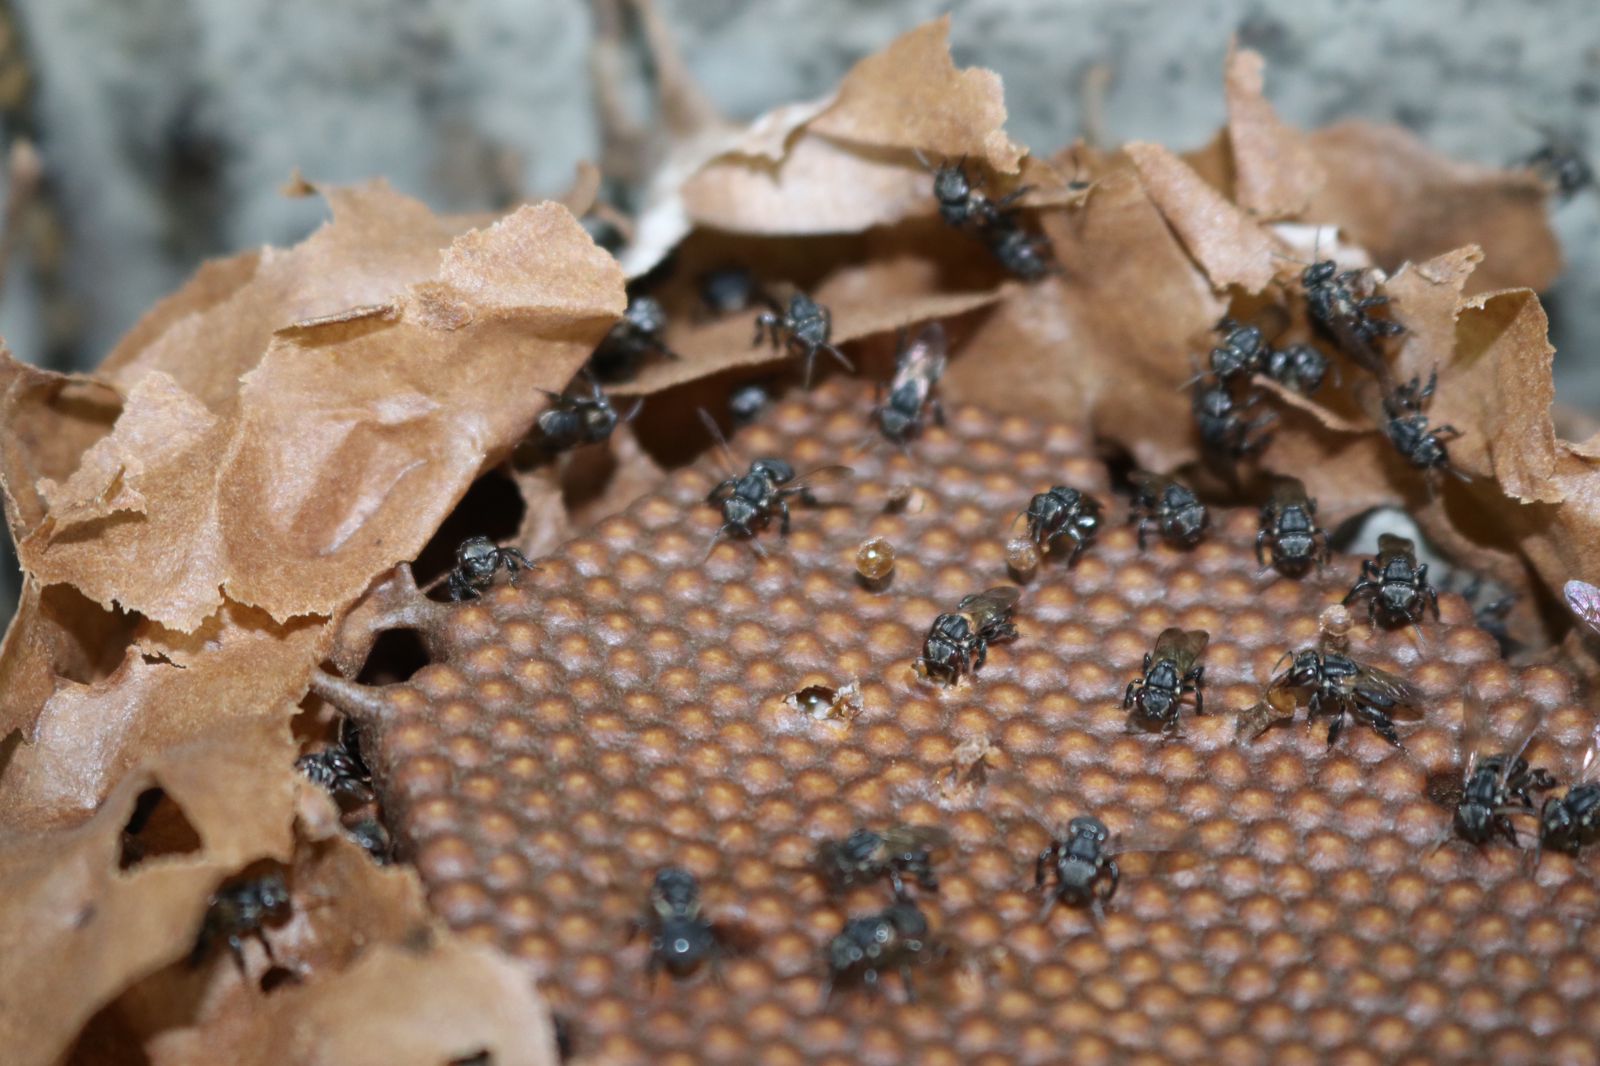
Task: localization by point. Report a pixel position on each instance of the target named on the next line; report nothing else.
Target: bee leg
(783, 516)
(1114, 877)
(982, 655)
(1127, 697)
(938, 410)
(1261, 539)
(1335, 727)
(236, 946)
(1199, 697)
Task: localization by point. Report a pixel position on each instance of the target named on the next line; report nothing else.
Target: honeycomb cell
(621, 709)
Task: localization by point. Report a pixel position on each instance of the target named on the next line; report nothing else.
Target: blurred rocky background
(166, 128)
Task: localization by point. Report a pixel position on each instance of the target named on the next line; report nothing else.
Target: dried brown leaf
(352, 438)
(1275, 173)
(1109, 340)
(1227, 244)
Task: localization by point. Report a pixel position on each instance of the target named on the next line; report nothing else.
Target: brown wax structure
(624, 708)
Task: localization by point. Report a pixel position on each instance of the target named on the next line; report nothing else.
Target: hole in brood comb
(396, 655)
(156, 829)
(491, 508)
(824, 702)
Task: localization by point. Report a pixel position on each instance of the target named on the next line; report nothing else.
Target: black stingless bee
(804, 329)
(1337, 308)
(1298, 368)
(899, 852)
(895, 937)
(573, 420)
(1571, 822)
(1222, 420)
(1243, 351)
(1289, 528)
(1422, 444)
(1170, 674)
(680, 938)
(1339, 687)
(997, 223)
(918, 368)
(640, 333)
(477, 561)
(1494, 786)
(1170, 507)
(340, 769)
(1084, 865)
(1062, 512)
(1396, 584)
(958, 642)
(239, 909)
(750, 500)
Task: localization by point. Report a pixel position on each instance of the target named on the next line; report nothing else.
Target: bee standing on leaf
(1299, 368)
(749, 501)
(1494, 787)
(239, 909)
(1062, 512)
(1289, 528)
(897, 853)
(339, 769)
(477, 561)
(1339, 311)
(804, 330)
(1397, 586)
(1170, 506)
(995, 222)
(1170, 674)
(1340, 688)
(573, 420)
(1243, 352)
(1221, 420)
(639, 334)
(958, 642)
(893, 938)
(918, 367)
(680, 938)
(1422, 445)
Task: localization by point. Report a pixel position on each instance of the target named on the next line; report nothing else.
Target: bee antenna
(721, 441)
(922, 159)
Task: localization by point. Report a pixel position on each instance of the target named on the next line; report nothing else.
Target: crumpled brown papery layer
(354, 435)
(1275, 172)
(1229, 246)
(851, 165)
(866, 299)
(76, 929)
(443, 1003)
(1110, 338)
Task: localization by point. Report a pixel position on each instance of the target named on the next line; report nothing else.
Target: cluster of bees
(1079, 868)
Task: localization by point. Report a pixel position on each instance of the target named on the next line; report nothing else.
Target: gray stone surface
(168, 125)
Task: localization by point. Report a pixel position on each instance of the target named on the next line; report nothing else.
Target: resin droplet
(875, 559)
(1022, 555)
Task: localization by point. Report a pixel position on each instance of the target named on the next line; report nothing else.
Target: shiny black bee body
(958, 642)
(639, 334)
(897, 853)
(918, 368)
(1339, 311)
(1169, 675)
(749, 501)
(1494, 786)
(804, 329)
(1243, 352)
(374, 840)
(340, 769)
(1062, 512)
(1571, 822)
(962, 205)
(1340, 688)
(240, 909)
(1083, 864)
(1224, 423)
(1170, 507)
(573, 420)
(680, 937)
(1020, 251)
(1396, 584)
(727, 290)
(1298, 368)
(1289, 529)
(477, 561)
(1423, 445)
(746, 403)
(893, 938)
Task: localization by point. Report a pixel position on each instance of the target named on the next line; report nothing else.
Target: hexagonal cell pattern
(623, 708)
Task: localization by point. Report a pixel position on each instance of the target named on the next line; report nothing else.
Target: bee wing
(723, 450)
(997, 600)
(1385, 683)
(1150, 838)
(1148, 482)
(1584, 599)
(822, 475)
(1288, 492)
(912, 837)
(1182, 646)
(928, 349)
(1589, 769)
(1474, 730)
(1390, 543)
